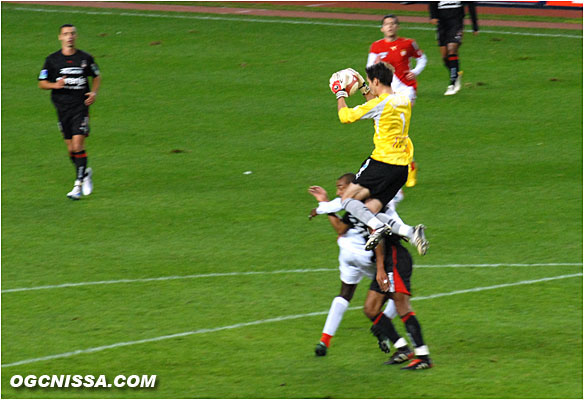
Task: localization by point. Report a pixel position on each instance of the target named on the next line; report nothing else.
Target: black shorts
(383, 180)
(450, 31)
(398, 265)
(73, 120)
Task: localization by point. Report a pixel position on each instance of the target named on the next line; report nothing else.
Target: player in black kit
(449, 18)
(66, 73)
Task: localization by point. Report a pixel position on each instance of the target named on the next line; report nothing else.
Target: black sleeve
(472, 10)
(92, 69)
(433, 10)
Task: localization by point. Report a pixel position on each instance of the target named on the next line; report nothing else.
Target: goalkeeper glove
(336, 85)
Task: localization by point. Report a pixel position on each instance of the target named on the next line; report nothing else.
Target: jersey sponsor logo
(75, 83)
(71, 71)
(44, 74)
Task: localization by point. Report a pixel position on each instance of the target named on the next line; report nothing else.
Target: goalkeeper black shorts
(383, 180)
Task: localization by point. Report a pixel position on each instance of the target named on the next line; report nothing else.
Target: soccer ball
(353, 85)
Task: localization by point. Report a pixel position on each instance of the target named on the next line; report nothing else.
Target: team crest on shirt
(83, 64)
(403, 53)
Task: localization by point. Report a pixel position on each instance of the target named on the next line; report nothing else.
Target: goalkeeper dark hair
(390, 16)
(381, 71)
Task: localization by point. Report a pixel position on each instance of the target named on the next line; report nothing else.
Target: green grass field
(176, 125)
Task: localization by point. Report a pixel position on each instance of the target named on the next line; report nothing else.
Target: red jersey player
(398, 51)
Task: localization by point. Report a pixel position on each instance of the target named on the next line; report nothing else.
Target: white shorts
(399, 87)
(354, 266)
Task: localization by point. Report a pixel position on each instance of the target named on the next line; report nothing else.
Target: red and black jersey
(76, 69)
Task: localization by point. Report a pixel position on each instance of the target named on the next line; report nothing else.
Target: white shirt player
(354, 261)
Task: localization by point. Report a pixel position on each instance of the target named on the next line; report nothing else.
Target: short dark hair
(389, 16)
(381, 71)
(349, 177)
(66, 26)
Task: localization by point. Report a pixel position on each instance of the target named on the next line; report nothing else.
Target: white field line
(271, 21)
(266, 321)
(244, 273)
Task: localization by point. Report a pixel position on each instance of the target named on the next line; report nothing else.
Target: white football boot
(450, 90)
(75, 194)
(458, 82)
(419, 239)
(87, 186)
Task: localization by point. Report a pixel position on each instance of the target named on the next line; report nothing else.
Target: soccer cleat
(384, 345)
(87, 186)
(419, 239)
(376, 236)
(320, 349)
(458, 82)
(450, 90)
(400, 356)
(75, 194)
(419, 363)
(412, 173)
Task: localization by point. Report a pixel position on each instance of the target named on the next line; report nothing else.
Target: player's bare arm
(381, 276)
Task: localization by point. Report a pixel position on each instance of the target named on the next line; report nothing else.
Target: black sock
(383, 327)
(80, 160)
(453, 67)
(414, 329)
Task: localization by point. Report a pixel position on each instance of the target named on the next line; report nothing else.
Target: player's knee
(370, 311)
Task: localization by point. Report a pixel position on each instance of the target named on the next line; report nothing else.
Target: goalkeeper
(383, 173)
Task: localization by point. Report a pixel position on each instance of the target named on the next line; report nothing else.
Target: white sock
(362, 213)
(335, 315)
(422, 351)
(398, 226)
(374, 223)
(401, 342)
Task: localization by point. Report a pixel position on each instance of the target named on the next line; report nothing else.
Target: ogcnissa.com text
(83, 381)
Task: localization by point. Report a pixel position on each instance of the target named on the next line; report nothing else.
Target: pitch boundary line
(276, 21)
(244, 273)
(267, 321)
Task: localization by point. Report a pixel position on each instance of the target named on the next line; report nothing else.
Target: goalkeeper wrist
(341, 93)
(364, 89)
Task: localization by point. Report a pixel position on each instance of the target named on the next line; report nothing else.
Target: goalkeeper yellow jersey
(391, 117)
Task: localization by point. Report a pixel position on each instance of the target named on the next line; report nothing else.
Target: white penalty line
(267, 321)
(273, 21)
(244, 273)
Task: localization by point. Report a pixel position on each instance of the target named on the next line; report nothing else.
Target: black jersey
(77, 68)
(452, 12)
